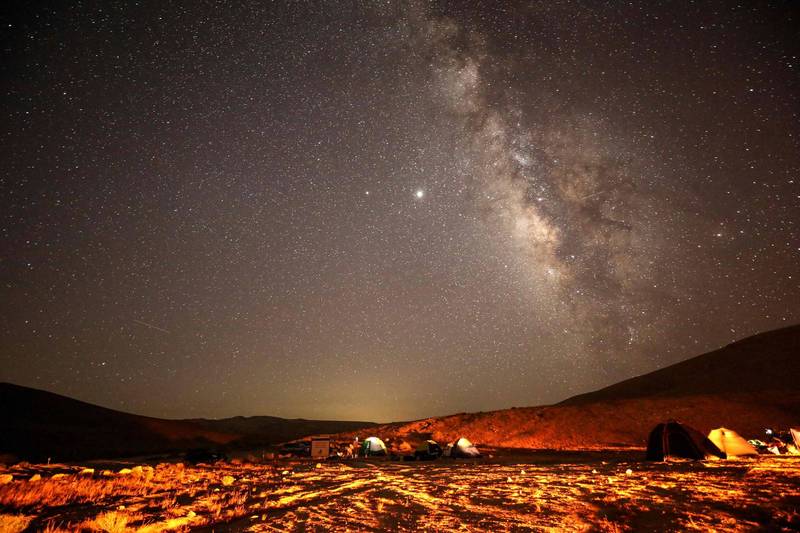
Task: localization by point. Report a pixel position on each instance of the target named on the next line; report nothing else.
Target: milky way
(390, 211)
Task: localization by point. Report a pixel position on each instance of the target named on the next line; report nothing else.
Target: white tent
(731, 443)
(464, 448)
(373, 446)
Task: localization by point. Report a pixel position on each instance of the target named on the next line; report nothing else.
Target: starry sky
(389, 210)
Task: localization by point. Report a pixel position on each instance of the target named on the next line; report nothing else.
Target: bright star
(420, 193)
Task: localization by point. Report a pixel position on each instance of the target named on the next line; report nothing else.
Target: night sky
(389, 211)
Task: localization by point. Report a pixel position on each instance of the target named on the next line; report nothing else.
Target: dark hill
(37, 425)
(260, 430)
(766, 362)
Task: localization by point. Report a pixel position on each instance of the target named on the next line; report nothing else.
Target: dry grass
(445, 495)
(13, 523)
(112, 522)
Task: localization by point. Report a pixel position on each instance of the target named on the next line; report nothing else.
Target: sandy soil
(610, 492)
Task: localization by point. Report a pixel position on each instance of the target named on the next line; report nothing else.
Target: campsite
(616, 459)
(513, 490)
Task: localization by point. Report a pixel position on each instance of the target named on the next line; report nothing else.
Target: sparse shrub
(112, 522)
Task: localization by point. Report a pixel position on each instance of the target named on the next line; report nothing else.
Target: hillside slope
(765, 362)
(37, 425)
(748, 386)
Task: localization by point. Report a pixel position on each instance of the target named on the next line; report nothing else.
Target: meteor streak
(150, 325)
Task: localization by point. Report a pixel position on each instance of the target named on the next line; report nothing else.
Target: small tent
(673, 439)
(429, 449)
(463, 448)
(373, 446)
(731, 443)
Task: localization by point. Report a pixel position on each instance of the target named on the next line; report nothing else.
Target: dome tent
(673, 439)
(731, 443)
(428, 449)
(462, 447)
(373, 446)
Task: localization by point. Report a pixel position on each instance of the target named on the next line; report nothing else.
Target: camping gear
(463, 448)
(673, 439)
(428, 450)
(373, 446)
(731, 443)
(320, 447)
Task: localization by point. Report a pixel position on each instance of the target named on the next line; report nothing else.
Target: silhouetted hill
(765, 362)
(36, 424)
(260, 430)
(749, 385)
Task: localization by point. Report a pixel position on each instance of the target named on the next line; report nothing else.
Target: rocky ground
(616, 492)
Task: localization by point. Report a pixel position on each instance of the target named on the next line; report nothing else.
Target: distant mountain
(36, 425)
(749, 385)
(260, 430)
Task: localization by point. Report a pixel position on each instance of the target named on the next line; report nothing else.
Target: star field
(391, 210)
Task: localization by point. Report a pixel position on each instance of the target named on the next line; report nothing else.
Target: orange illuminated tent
(795, 433)
(731, 443)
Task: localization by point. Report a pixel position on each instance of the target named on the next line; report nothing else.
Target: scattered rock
(58, 476)
(319, 465)
(228, 480)
(125, 471)
(629, 472)
(35, 477)
(6, 478)
(87, 472)
(143, 471)
(191, 514)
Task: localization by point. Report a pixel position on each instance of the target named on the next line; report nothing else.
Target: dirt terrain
(601, 491)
